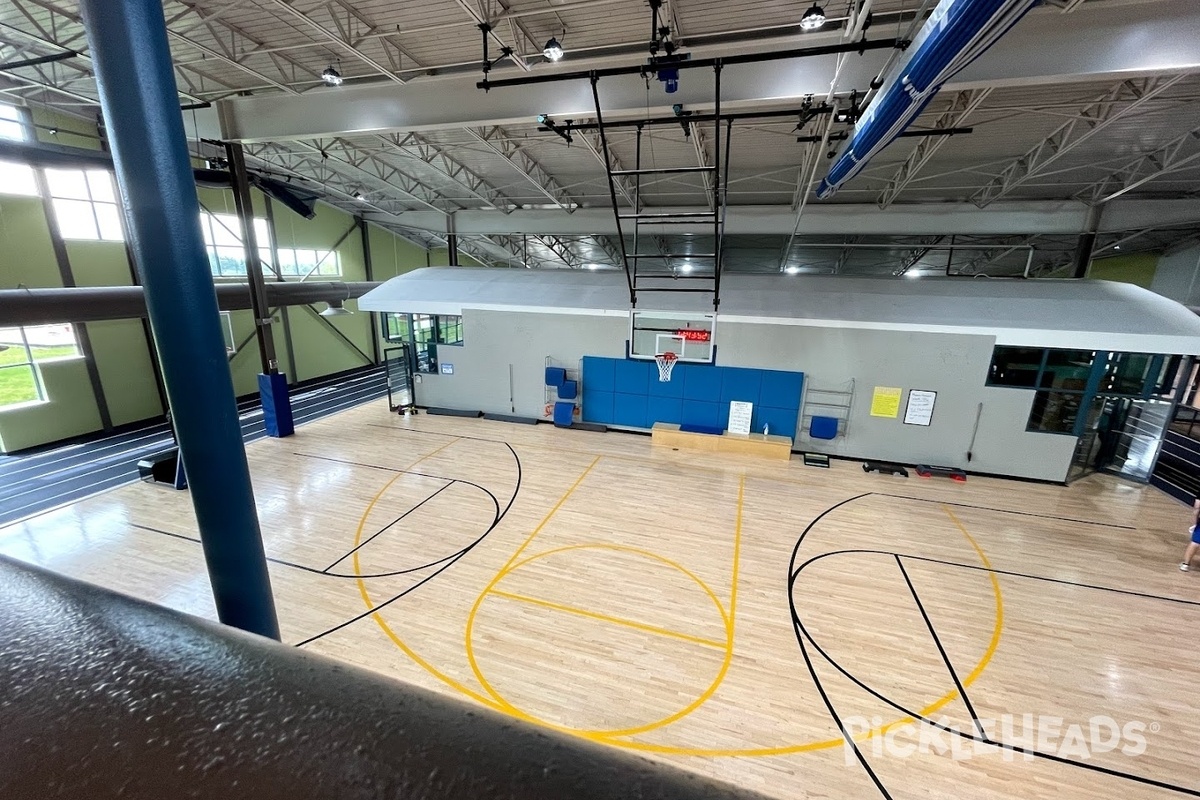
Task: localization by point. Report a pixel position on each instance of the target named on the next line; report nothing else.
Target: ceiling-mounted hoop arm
(723, 189)
(719, 217)
(612, 187)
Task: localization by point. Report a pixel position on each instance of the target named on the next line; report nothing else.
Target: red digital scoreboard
(694, 334)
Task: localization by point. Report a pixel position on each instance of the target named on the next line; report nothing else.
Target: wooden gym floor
(731, 615)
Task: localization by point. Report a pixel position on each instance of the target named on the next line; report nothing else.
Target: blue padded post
(555, 376)
(277, 409)
(823, 427)
(136, 84)
(564, 414)
(568, 390)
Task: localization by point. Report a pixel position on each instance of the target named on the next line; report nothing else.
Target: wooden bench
(755, 444)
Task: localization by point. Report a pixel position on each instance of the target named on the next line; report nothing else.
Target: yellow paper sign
(886, 402)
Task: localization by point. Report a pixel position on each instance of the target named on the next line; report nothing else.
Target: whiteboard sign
(920, 407)
(739, 416)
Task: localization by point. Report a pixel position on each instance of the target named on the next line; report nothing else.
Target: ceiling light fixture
(553, 50)
(793, 270)
(331, 76)
(813, 19)
(336, 309)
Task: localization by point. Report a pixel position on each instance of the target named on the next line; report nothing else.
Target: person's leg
(1188, 556)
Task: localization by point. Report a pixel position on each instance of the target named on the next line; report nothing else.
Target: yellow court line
(491, 584)
(629, 623)
(362, 585)
(408, 651)
(611, 737)
(999, 625)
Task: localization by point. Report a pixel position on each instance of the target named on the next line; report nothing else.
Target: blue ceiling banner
(956, 33)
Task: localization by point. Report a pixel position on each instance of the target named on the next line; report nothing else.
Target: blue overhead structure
(136, 83)
(956, 33)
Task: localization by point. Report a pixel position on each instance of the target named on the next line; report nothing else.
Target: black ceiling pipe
(94, 304)
(144, 703)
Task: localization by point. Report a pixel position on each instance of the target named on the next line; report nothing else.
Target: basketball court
(737, 617)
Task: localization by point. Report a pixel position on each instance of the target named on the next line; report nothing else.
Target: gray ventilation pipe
(93, 304)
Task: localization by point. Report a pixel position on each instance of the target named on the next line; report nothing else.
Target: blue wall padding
(629, 410)
(564, 414)
(627, 392)
(714, 431)
(568, 390)
(664, 408)
(555, 376)
(823, 427)
(632, 377)
(277, 407)
(601, 375)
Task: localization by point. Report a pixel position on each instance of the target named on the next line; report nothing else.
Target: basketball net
(666, 362)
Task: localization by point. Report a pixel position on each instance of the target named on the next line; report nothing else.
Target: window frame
(425, 336)
(101, 230)
(31, 361)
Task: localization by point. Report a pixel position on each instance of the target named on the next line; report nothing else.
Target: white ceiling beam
(1118, 103)
(1179, 153)
(843, 219)
(1046, 48)
(502, 143)
(353, 21)
(962, 105)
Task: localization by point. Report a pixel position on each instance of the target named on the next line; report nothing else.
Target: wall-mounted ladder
(656, 270)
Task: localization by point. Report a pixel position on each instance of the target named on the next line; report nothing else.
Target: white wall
(953, 365)
(1178, 277)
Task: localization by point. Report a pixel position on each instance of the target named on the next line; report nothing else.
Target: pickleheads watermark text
(1010, 737)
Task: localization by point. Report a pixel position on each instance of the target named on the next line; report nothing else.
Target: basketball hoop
(666, 362)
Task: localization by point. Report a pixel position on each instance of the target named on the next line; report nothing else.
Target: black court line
(812, 671)
(1129, 592)
(436, 433)
(802, 635)
(390, 524)
(962, 691)
(324, 572)
(193, 539)
(449, 563)
(1008, 511)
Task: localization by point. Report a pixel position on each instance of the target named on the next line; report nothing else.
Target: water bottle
(766, 429)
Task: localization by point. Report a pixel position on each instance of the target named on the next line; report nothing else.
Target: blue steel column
(132, 63)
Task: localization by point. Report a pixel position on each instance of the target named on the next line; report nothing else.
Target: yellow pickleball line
(614, 736)
(608, 738)
(628, 623)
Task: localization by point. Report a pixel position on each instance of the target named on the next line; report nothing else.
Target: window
(223, 241)
(12, 123)
(85, 204)
(1067, 369)
(425, 332)
(17, 179)
(450, 330)
(395, 327)
(1016, 366)
(1055, 412)
(1128, 373)
(20, 349)
(226, 255)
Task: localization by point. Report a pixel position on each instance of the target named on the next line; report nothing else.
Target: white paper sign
(739, 416)
(447, 369)
(920, 407)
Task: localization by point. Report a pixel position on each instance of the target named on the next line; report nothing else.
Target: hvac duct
(93, 304)
(956, 33)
